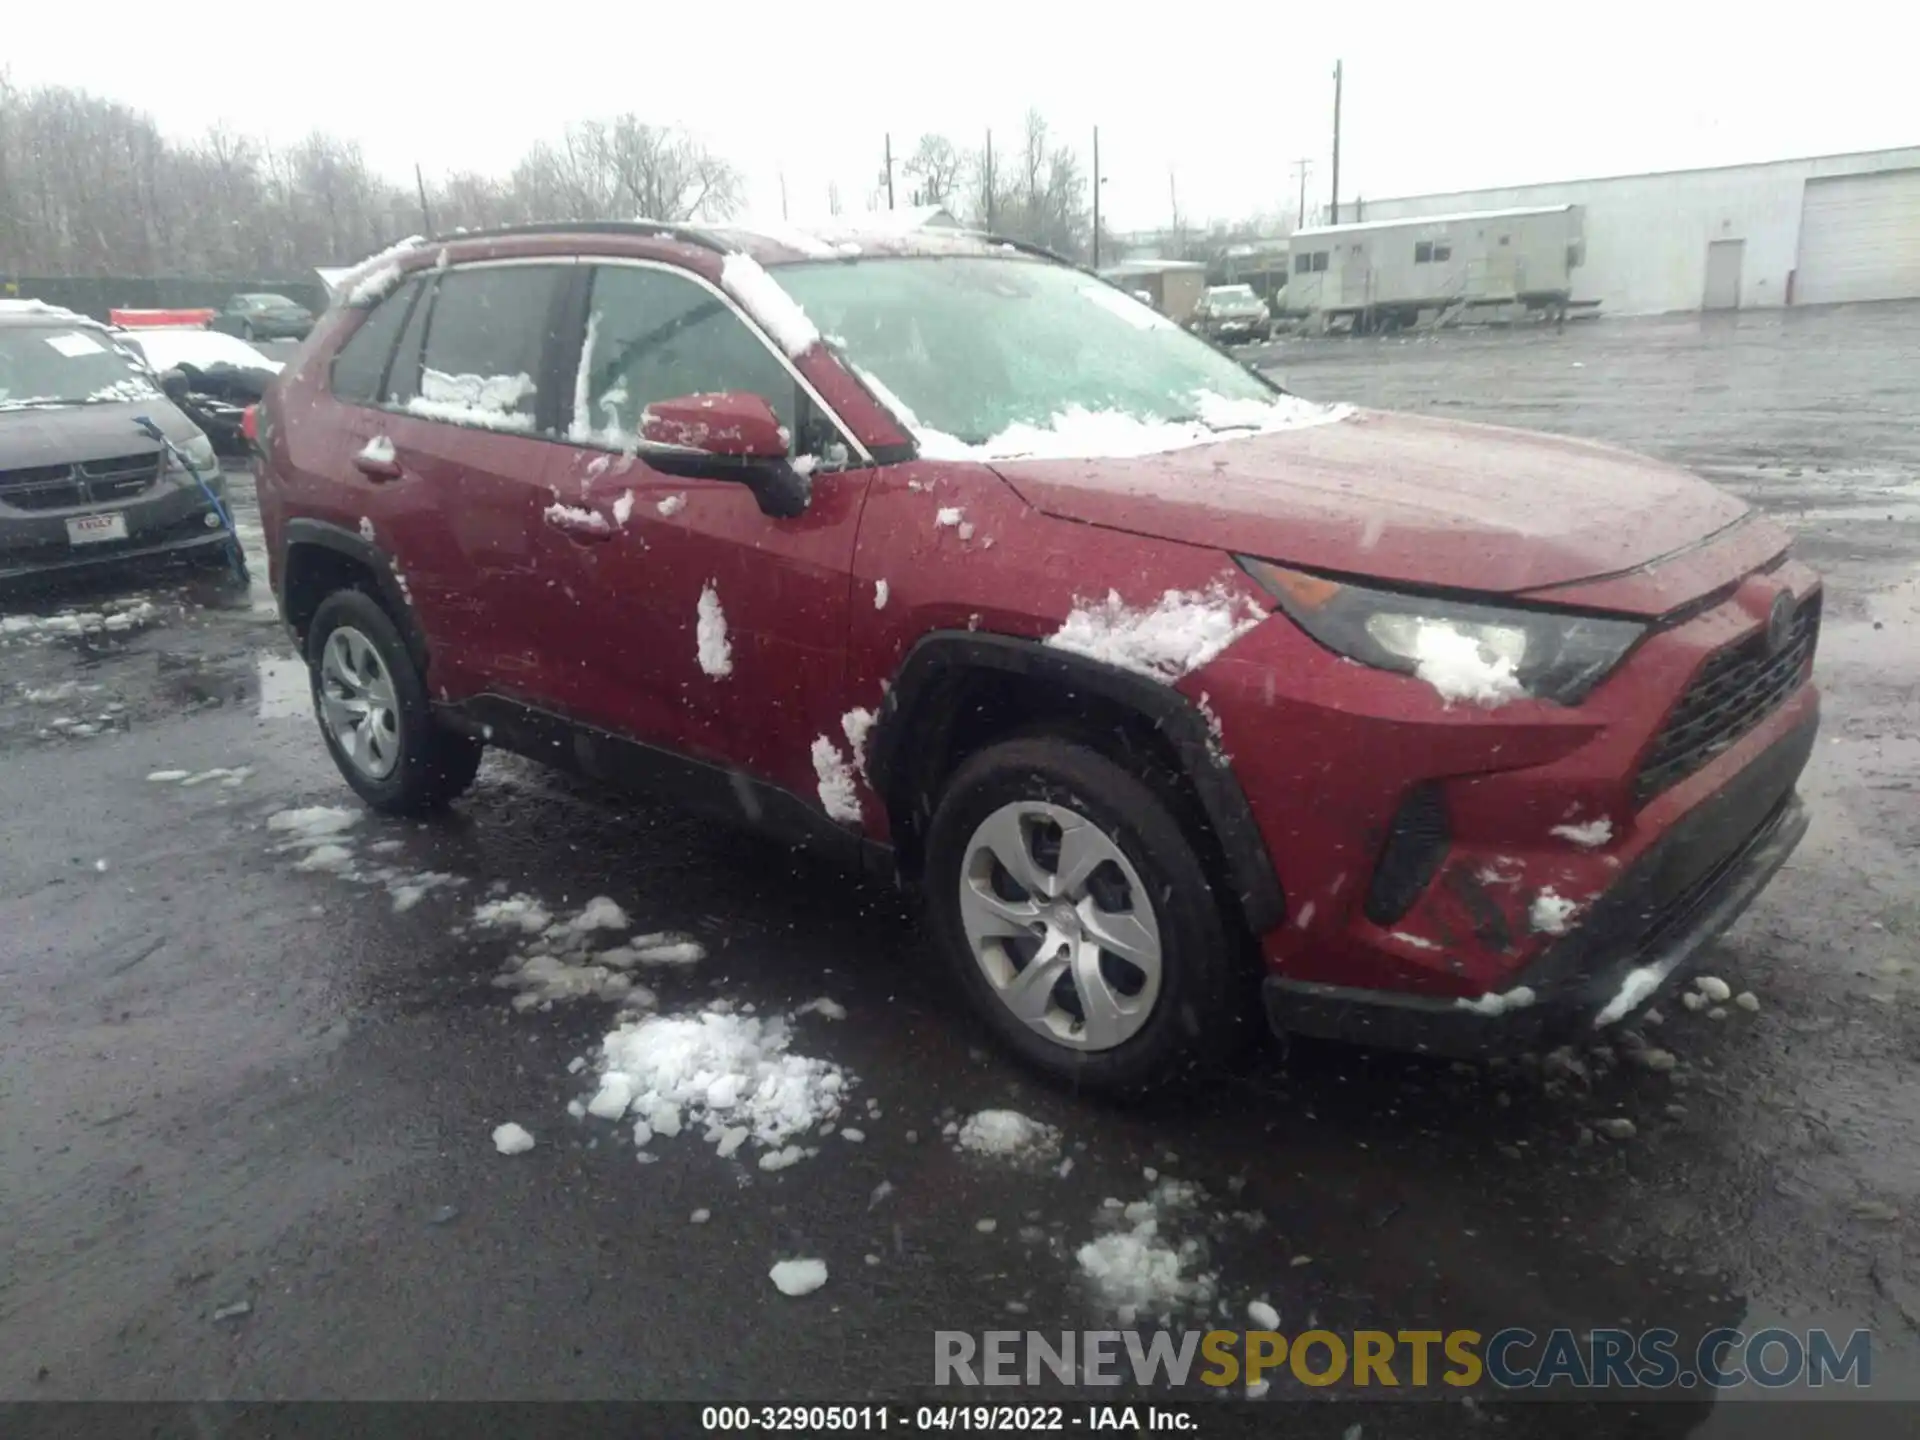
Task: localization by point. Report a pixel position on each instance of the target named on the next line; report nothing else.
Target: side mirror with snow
(728, 435)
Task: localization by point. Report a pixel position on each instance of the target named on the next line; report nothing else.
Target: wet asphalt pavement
(225, 1081)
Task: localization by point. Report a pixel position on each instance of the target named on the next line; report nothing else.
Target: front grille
(1411, 857)
(1734, 691)
(65, 487)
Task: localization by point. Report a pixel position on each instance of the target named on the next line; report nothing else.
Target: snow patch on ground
(760, 295)
(716, 654)
(512, 1139)
(798, 1277)
(312, 824)
(1454, 665)
(731, 1074)
(1589, 835)
(1177, 635)
(1139, 1269)
(116, 617)
(1008, 1134)
(837, 794)
(1550, 913)
(825, 1008)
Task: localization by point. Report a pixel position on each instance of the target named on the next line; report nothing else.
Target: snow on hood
(1081, 434)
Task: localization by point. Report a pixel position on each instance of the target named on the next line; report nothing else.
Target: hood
(79, 433)
(1400, 498)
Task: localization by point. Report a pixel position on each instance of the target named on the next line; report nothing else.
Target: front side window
(653, 335)
(361, 362)
(1423, 252)
(485, 339)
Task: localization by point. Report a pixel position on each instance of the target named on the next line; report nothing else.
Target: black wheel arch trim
(943, 654)
(324, 535)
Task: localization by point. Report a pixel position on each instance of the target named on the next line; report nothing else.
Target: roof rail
(692, 234)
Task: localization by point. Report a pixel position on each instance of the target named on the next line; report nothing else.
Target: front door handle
(376, 468)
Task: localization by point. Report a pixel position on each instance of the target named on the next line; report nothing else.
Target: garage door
(1860, 238)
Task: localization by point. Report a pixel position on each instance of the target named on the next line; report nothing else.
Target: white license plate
(90, 529)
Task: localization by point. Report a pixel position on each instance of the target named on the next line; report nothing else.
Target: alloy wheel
(358, 705)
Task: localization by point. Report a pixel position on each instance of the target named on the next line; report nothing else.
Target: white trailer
(1384, 273)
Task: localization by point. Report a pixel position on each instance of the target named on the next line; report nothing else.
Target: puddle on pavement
(284, 691)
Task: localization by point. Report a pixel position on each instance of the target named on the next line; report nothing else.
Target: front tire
(1080, 921)
(374, 715)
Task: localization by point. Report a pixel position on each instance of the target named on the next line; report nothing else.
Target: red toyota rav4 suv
(1170, 689)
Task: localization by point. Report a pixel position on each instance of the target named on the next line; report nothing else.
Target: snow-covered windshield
(51, 365)
(975, 346)
(1232, 297)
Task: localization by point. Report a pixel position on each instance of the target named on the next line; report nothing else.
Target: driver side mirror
(173, 384)
(727, 435)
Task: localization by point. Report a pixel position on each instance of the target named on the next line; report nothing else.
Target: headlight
(200, 451)
(1547, 654)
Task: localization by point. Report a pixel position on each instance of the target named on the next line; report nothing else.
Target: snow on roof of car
(39, 312)
(201, 349)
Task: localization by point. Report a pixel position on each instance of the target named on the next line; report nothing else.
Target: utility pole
(889, 170)
(783, 194)
(1096, 197)
(989, 170)
(1173, 202)
(1301, 167)
(1336, 141)
(426, 215)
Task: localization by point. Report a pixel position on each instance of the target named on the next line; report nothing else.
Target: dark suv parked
(80, 483)
(1162, 683)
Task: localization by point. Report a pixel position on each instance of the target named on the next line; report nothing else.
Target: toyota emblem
(1780, 623)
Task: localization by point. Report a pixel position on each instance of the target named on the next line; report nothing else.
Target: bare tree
(935, 168)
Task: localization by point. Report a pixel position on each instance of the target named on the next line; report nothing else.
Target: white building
(1789, 232)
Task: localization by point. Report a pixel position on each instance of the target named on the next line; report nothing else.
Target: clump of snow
(1748, 1001)
(1551, 914)
(1078, 433)
(1137, 1268)
(798, 1277)
(1008, 1134)
(664, 948)
(1640, 982)
(312, 824)
(1180, 633)
(947, 516)
(1713, 987)
(880, 594)
(1419, 942)
(492, 401)
(760, 295)
(1588, 835)
(837, 794)
(115, 618)
(672, 505)
(512, 1139)
(1454, 664)
(513, 912)
(599, 913)
(1517, 998)
(623, 509)
(731, 1074)
(374, 277)
(825, 1008)
(576, 517)
(166, 777)
(1263, 1315)
(858, 725)
(378, 450)
(716, 654)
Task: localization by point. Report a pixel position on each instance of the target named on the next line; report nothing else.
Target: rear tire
(372, 707)
(1103, 1020)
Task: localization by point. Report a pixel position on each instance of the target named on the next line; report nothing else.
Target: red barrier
(135, 319)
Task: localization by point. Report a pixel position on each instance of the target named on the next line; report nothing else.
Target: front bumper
(1651, 926)
(170, 521)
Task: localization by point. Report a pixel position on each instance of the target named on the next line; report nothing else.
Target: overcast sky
(1222, 96)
